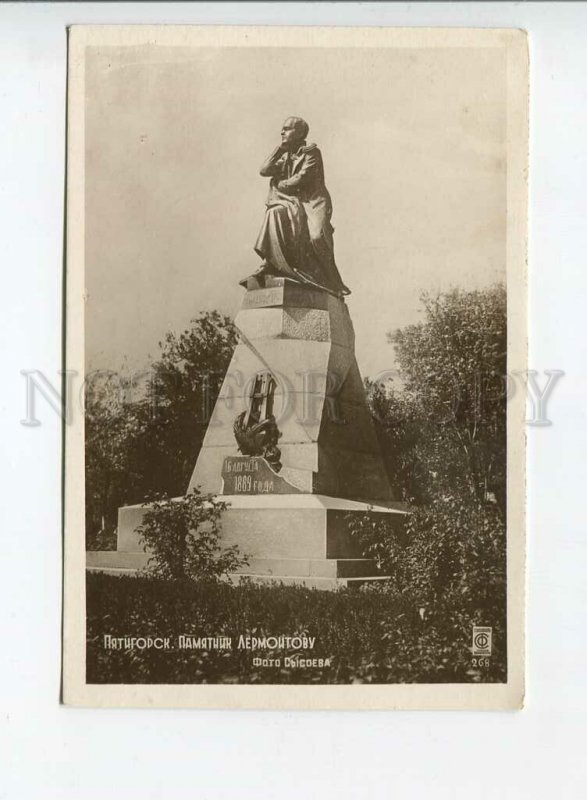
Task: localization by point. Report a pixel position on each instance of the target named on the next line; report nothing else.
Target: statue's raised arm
(296, 237)
(273, 164)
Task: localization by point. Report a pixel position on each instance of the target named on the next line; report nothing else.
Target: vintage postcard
(295, 301)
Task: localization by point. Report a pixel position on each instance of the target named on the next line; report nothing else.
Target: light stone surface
(302, 418)
(297, 365)
(300, 526)
(275, 323)
(307, 323)
(287, 294)
(117, 560)
(310, 567)
(129, 518)
(295, 568)
(327, 437)
(333, 322)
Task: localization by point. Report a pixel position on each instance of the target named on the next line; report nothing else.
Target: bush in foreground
(183, 537)
(449, 561)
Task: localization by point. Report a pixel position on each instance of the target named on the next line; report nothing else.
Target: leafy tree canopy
(445, 428)
(139, 442)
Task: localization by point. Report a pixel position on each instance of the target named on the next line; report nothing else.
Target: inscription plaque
(260, 298)
(253, 475)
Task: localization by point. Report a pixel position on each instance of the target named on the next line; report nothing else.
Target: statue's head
(294, 131)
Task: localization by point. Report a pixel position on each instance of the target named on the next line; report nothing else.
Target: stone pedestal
(298, 538)
(289, 509)
(305, 339)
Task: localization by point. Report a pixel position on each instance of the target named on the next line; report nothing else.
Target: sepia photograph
(294, 400)
(296, 293)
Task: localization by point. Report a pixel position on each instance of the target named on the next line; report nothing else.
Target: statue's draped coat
(296, 235)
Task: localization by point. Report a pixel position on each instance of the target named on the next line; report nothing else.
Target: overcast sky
(413, 142)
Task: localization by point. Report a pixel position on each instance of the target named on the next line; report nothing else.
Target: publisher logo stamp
(481, 641)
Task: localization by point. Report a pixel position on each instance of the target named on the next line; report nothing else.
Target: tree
(448, 423)
(141, 441)
(443, 434)
(181, 396)
(111, 427)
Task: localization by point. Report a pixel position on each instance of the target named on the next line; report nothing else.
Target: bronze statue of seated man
(296, 237)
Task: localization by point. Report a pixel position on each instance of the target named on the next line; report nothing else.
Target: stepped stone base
(116, 562)
(311, 573)
(292, 539)
(325, 584)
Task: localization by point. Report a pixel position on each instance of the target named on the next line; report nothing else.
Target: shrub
(448, 566)
(182, 536)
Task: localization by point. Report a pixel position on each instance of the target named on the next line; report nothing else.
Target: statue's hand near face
(295, 239)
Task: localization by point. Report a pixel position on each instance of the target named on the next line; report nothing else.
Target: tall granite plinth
(305, 339)
(289, 510)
